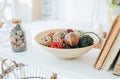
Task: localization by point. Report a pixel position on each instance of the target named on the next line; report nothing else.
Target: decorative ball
(69, 30)
(65, 46)
(86, 40)
(80, 33)
(72, 39)
(57, 39)
(51, 34)
(55, 45)
(60, 34)
(45, 40)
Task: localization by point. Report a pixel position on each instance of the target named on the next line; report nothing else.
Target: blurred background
(70, 11)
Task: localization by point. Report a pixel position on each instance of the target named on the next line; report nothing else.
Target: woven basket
(21, 71)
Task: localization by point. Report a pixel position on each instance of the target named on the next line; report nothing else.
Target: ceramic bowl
(64, 53)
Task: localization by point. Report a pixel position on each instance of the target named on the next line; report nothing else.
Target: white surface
(80, 68)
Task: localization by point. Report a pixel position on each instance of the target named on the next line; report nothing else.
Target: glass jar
(18, 37)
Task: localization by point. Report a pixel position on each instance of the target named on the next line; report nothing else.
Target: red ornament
(55, 45)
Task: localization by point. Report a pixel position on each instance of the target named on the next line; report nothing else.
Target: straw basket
(21, 71)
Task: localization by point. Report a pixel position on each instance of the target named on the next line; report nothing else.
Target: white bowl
(64, 53)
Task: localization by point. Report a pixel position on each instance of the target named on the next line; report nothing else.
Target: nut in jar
(17, 39)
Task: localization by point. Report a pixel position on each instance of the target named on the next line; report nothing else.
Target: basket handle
(2, 68)
(11, 67)
(95, 35)
(2, 65)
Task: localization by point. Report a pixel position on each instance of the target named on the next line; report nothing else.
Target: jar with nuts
(18, 37)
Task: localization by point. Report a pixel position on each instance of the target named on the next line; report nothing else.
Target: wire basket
(22, 71)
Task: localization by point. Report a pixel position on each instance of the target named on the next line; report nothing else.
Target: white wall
(61, 9)
(75, 10)
(82, 11)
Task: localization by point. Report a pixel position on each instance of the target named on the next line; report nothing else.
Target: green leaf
(112, 5)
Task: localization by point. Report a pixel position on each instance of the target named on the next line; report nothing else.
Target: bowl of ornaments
(67, 43)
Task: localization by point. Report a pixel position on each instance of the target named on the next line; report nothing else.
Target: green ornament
(86, 40)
